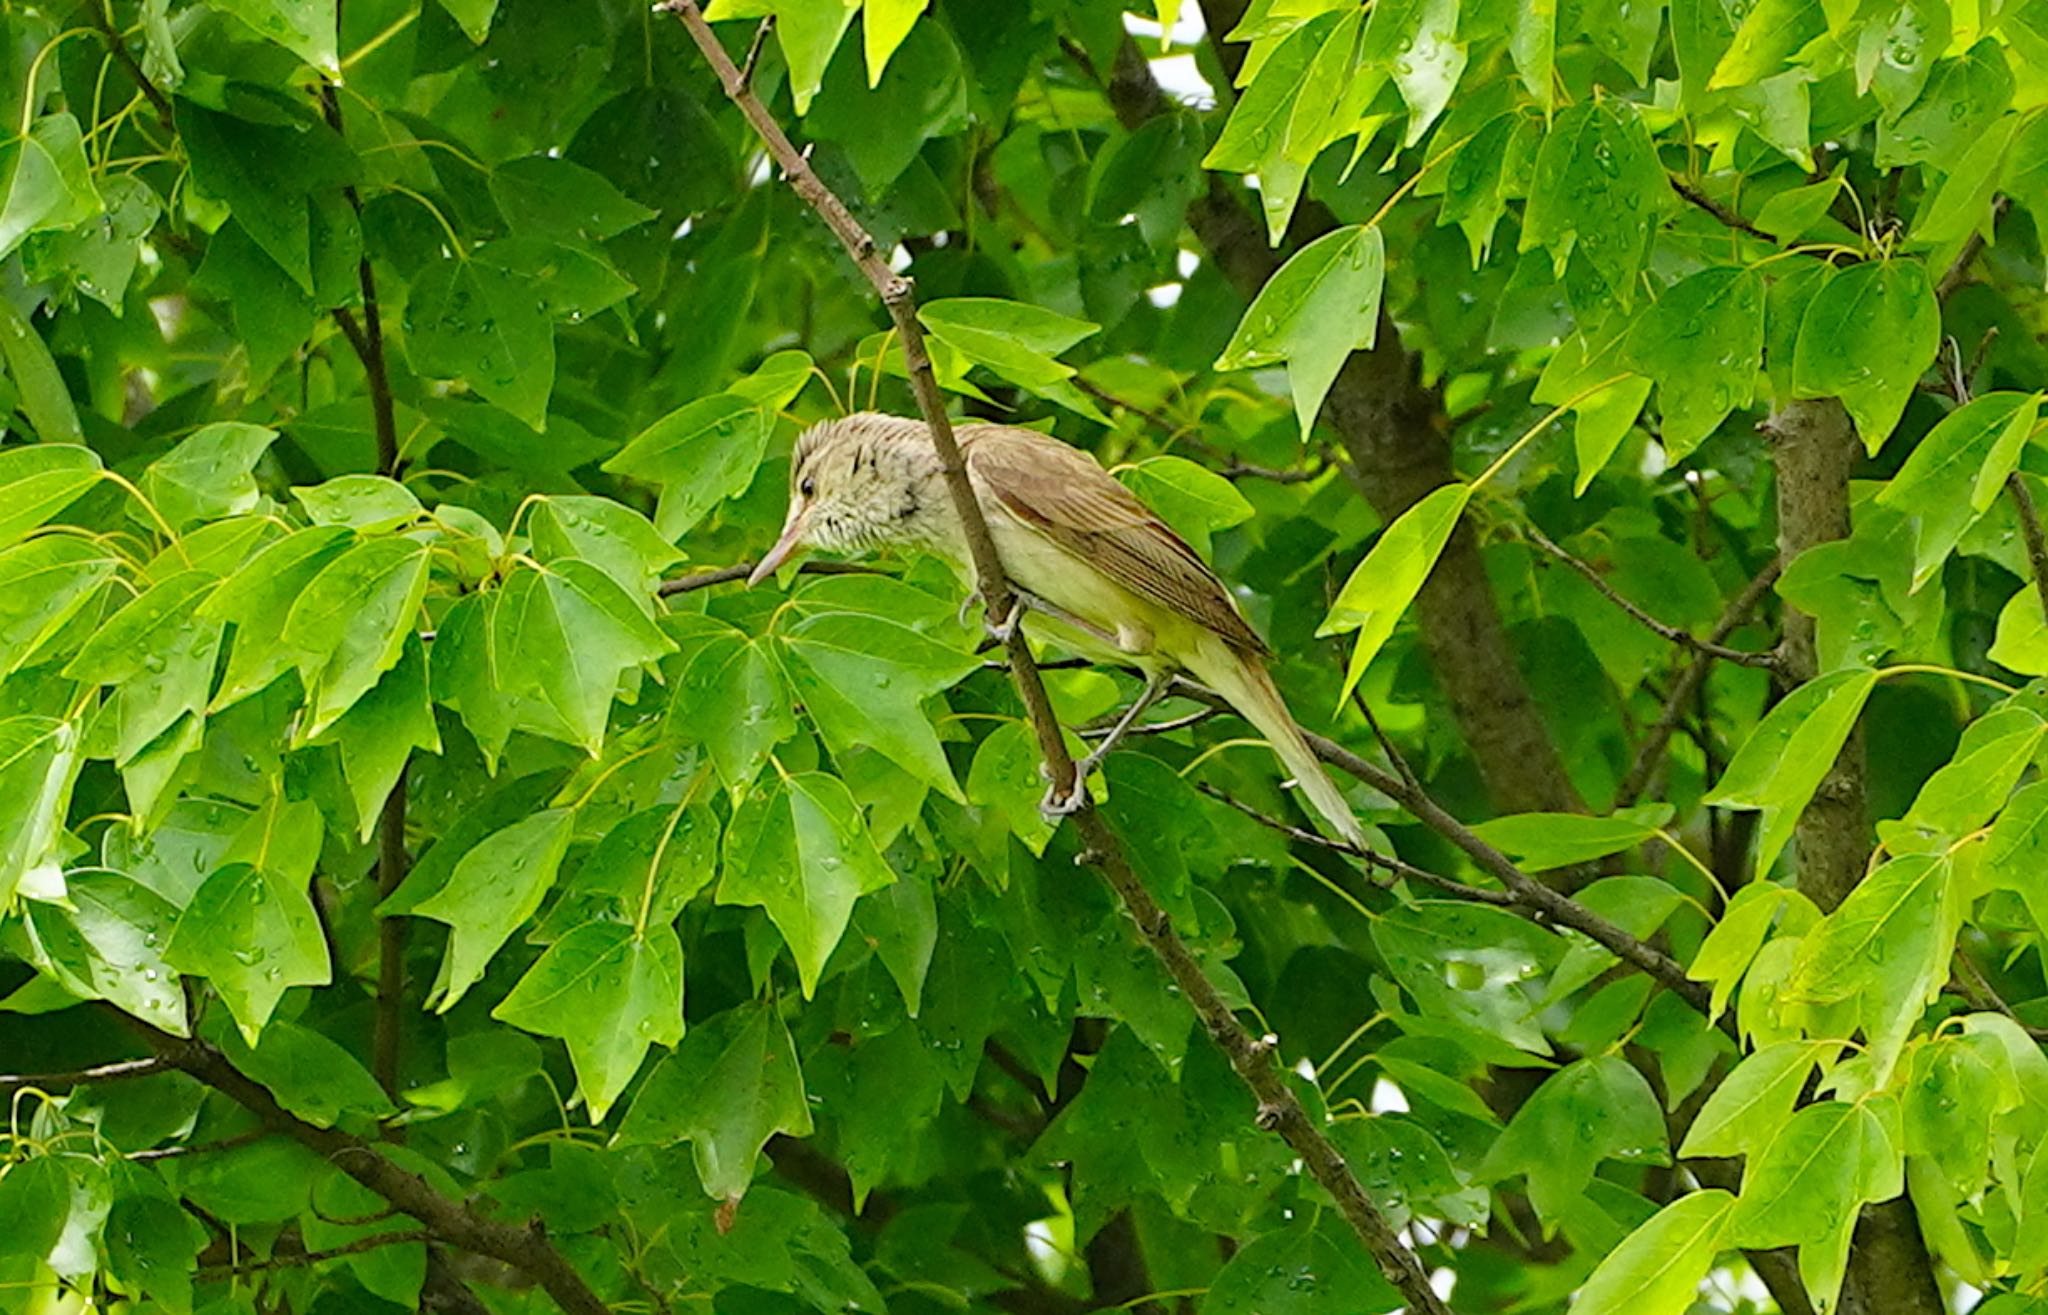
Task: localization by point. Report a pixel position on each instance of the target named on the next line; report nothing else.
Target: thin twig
(1278, 1108)
(684, 584)
(1722, 214)
(1670, 633)
(1371, 859)
(240, 1139)
(1675, 703)
(296, 1259)
(1387, 746)
(1959, 268)
(104, 21)
(1108, 724)
(393, 862)
(120, 1071)
(754, 50)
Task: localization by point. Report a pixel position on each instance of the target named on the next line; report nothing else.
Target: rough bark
(1816, 448)
(1396, 436)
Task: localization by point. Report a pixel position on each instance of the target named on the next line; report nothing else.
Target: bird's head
(855, 483)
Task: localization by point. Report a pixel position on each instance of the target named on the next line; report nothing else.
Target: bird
(1096, 570)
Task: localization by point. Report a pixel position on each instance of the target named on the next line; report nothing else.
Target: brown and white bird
(1101, 574)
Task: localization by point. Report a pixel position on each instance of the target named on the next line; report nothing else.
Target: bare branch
(1673, 634)
(1722, 214)
(120, 1071)
(296, 1259)
(1279, 1110)
(1680, 698)
(684, 584)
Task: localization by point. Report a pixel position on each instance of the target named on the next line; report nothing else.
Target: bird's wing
(1061, 492)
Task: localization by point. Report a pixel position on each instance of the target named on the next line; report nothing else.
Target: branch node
(1271, 1115)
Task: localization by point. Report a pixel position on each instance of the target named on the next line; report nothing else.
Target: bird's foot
(1059, 803)
(1003, 631)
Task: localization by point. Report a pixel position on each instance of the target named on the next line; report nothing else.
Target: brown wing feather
(1061, 492)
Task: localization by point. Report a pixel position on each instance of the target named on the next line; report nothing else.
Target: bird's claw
(1003, 631)
(1057, 803)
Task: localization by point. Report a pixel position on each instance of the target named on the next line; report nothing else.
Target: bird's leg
(1022, 601)
(1056, 805)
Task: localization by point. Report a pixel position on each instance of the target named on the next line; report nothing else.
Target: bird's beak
(785, 547)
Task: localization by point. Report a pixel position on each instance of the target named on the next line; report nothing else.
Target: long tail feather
(1244, 682)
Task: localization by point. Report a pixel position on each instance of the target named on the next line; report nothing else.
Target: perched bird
(1099, 573)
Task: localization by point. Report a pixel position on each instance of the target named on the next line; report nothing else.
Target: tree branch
(2030, 532)
(296, 1259)
(527, 1250)
(1681, 696)
(119, 1071)
(98, 11)
(684, 584)
(1816, 448)
(1710, 648)
(1279, 1110)
(1722, 214)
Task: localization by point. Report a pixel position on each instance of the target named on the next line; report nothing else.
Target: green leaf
(473, 16)
(2018, 846)
(1821, 1165)
(1725, 955)
(1321, 306)
(1533, 44)
(1014, 339)
(370, 503)
(1005, 779)
(39, 481)
(732, 1085)
(482, 324)
(1539, 841)
(1888, 946)
(161, 657)
(267, 169)
(1961, 206)
(493, 890)
(1964, 793)
(1956, 471)
(1383, 585)
(108, 945)
(1754, 1100)
(1254, 139)
(883, 25)
(610, 990)
(313, 1076)
(46, 182)
(1417, 39)
(379, 732)
(209, 474)
(1771, 33)
(43, 584)
(863, 676)
(1963, 98)
(258, 593)
(801, 850)
(1657, 1269)
(730, 696)
(2020, 641)
(1703, 342)
(1470, 963)
(1194, 500)
(307, 28)
(251, 928)
(608, 535)
(1781, 764)
(1866, 337)
(700, 454)
(1586, 1112)
(45, 399)
(1310, 1266)
(564, 634)
(1597, 191)
(571, 279)
(561, 199)
(39, 760)
(351, 623)
(654, 861)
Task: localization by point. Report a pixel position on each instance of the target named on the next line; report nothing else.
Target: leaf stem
(1528, 437)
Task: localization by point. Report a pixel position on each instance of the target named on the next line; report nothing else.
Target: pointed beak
(785, 548)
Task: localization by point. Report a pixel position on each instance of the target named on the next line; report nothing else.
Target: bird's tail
(1242, 679)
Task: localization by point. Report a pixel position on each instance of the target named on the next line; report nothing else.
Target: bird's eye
(808, 487)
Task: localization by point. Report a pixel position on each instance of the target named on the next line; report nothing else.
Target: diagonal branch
(527, 1250)
(1279, 1110)
(1710, 647)
(1680, 698)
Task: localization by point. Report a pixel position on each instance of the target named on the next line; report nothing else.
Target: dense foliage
(428, 881)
